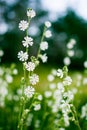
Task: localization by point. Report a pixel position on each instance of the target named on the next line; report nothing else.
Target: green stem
(42, 38)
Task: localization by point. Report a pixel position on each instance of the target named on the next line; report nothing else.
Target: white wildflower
(37, 107)
(54, 72)
(67, 61)
(69, 46)
(67, 81)
(34, 79)
(70, 53)
(48, 34)
(23, 56)
(3, 91)
(30, 66)
(73, 41)
(50, 77)
(23, 25)
(66, 119)
(48, 94)
(48, 24)
(9, 78)
(84, 81)
(44, 46)
(43, 58)
(40, 97)
(60, 87)
(60, 73)
(85, 64)
(84, 111)
(29, 91)
(15, 71)
(1, 53)
(52, 86)
(28, 41)
(31, 13)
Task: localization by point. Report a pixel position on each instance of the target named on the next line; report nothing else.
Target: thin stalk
(42, 38)
(77, 121)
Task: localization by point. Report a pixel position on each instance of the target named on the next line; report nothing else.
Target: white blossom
(37, 107)
(44, 46)
(31, 13)
(29, 91)
(60, 73)
(66, 119)
(50, 77)
(85, 64)
(70, 53)
(67, 61)
(84, 111)
(34, 79)
(73, 41)
(28, 41)
(1, 53)
(84, 81)
(23, 56)
(9, 78)
(67, 81)
(48, 94)
(69, 45)
(15, 71)
(48, 24)
(52, 86)
(60, 87)
(30, 66)
(40, 97)
(23, 25)
(48, 34)
(43, 58)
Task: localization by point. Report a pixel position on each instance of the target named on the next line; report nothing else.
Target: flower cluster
(84, 111)
(6, 78)
(70, 52)
(30, 78)
(59, 97)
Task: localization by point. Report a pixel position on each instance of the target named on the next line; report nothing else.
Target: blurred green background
(68, 20)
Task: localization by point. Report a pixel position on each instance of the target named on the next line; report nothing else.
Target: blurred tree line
(63, 28)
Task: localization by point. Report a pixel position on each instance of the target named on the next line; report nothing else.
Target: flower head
(47, 24)
(44, 46)
(23, 56)
(29, 91)
(31, 13)
(23, 25)
(1, 53)
(28, 41)
(48, 34)
(60, 73)
(85, 64)
(43, 58)
(70, 53)
(67, 61)
(67, 81)
(50, 77)
(30, 66)
(37, 107)
(34, 79)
